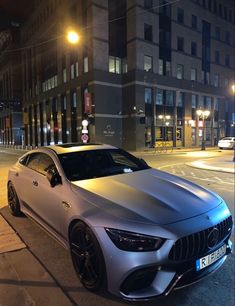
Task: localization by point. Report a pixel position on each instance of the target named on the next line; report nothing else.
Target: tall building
(10, 85)
(139, 72)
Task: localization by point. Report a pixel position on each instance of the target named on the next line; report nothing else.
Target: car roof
(75, 147)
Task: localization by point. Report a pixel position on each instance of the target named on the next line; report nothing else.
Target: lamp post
(204, 114)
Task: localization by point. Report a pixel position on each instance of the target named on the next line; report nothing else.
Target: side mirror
(53, 177)
(143, 162)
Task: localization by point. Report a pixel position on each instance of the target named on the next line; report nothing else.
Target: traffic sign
(84, 138)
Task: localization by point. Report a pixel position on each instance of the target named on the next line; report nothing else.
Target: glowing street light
(233, 88)
(204, 114)
(73, 37)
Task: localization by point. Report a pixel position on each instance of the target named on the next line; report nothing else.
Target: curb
(197, 165)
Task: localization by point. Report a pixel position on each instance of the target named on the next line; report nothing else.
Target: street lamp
(204, 114)
(73, 37)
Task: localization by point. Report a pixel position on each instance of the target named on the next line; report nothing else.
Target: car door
(48, 201)
(42, 202)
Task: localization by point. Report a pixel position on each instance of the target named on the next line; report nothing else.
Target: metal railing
(163, 146)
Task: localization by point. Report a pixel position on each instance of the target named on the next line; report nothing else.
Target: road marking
(8, 153)
(207, 179)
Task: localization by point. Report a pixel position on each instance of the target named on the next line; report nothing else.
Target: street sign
(84, 138)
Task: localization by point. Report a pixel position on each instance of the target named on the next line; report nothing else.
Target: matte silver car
(137, 231)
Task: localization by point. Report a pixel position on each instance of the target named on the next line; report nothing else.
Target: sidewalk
(222, 164)
(23, 279)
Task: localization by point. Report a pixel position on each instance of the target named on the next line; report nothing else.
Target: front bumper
(145, 275)
(161, 280)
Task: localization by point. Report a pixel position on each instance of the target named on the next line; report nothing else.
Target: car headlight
(133, 242)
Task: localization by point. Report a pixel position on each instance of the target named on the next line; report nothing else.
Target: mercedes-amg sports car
(135, 230)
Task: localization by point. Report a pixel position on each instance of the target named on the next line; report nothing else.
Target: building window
(207, 78)
(112, 64)
(194, 101)
(64, 75)
(210, 5)
(226, 82)
(217, 57)
(230, 18)
(148, 32)
(74, 99)
(215, 7)
(148, 95)
(227, 37)
(160, 67)
(76, 69)
(208, 102)
(180, 72)
(180, 99)
(225, 13)
(72, 71)
(85, 64)
(220, 10)
(227, 60)
(180, 15)
(193, 48)
(193, 74)
(117, 65)
(180, 44)
(159, 97)
(194, 22)
(169, 97)
(168, 68)
(148, 4)
(217, 33)
(148, 63)
(216, 80)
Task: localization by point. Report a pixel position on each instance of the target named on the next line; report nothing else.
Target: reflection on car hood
(149, 196)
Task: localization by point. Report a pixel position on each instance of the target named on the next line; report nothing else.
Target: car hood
(148, 196)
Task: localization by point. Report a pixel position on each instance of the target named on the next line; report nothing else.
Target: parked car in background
(137, 231)
(227, 143)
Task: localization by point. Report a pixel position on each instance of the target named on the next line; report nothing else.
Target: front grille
(193, 245)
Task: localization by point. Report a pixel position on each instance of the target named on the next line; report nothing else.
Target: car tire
(13, 200)
(87, 257)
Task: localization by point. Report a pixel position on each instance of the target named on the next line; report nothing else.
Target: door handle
(66, 205)
(35, 183)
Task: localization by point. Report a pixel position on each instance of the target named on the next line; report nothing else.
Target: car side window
(45, 163)
(23, 160)
(32, 161)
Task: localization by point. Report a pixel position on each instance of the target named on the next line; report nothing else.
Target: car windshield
(227, 138)
(99, 163)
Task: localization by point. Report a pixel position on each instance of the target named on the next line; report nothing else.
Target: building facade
(139, 73)
(10, 87)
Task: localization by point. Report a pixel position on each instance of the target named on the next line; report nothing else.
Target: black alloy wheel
(87, 257)
(13, 201)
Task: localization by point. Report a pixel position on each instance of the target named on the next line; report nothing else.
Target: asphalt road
(215, 290)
